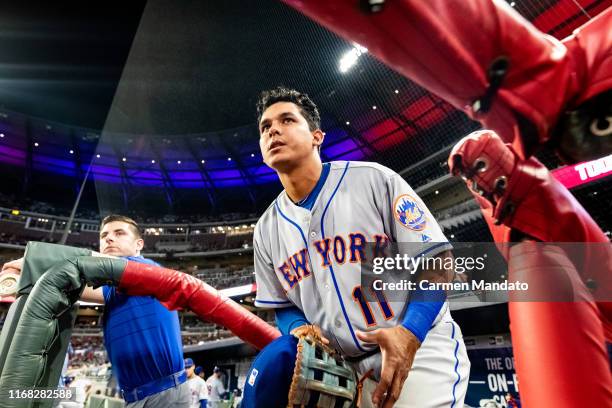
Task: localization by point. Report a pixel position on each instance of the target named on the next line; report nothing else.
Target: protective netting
(180, 142)
(369, 112)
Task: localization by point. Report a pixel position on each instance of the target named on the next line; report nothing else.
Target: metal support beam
(27, 174)
(125, 181)
(77, 160)
(169, 188)
(241, 168)
(210, 192)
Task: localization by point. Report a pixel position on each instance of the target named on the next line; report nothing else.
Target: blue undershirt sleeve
(289, 318)
(422, 311)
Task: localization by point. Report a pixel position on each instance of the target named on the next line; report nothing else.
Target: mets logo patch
(408, 213)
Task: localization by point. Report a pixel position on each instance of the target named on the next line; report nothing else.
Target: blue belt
(159, 385)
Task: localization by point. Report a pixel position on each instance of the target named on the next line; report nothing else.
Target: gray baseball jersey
(311, 258)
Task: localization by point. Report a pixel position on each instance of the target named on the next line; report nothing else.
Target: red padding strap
(176, 289)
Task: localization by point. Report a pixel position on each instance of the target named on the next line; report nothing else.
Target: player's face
(190, 371)
(118, 239)
(285, 139)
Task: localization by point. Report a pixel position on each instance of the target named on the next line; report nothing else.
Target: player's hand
(13, 266)
(398, 346)
(305, 329)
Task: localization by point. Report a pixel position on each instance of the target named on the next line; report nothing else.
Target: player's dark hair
(307, 107)
(133, 225)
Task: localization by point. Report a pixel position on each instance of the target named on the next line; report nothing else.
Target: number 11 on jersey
(364, 305)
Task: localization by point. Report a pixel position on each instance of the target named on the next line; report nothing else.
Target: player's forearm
(92, 295)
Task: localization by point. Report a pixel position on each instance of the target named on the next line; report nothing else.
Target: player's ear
(317, 138)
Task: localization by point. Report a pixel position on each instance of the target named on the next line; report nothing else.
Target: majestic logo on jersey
(408, 213)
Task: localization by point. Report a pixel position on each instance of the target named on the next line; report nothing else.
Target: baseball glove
(321, 377)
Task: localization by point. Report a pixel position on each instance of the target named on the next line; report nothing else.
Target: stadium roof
(159, 96)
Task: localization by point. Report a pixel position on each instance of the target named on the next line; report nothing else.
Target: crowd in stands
(12, 239)
(227, 277)
(18, 229)
(201, 338)
(87, 350)
(14, 201)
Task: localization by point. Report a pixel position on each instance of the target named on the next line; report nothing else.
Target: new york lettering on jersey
(339, 250)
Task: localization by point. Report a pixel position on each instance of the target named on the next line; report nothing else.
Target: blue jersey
(142, 337)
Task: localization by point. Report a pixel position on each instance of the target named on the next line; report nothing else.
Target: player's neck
(299, 181)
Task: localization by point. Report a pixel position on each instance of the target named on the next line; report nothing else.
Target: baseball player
(197, 386)
(308, 246)
(215, 389)
(141, 336)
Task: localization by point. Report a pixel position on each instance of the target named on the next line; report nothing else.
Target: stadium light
(350, 58)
